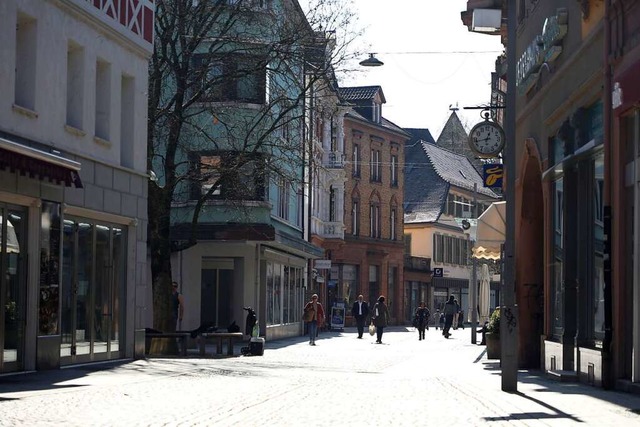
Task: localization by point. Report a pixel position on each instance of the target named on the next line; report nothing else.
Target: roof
(425, 192)
(456, 169)
(361, 93)
(387, 124)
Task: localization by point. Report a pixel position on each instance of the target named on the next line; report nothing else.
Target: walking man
(360, 311)
(449, 310)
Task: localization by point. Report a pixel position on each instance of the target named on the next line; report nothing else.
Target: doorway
(13, 285)
(93, 287)
(216, 296)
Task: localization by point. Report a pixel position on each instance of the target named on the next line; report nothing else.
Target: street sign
(438, 272)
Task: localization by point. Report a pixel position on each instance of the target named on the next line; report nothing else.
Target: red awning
(38, 164)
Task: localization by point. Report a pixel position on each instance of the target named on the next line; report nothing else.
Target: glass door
(93, 291)
(13, 251)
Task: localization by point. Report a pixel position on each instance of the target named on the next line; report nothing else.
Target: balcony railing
(417, 263)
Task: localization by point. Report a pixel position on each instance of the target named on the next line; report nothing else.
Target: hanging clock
(487, 139)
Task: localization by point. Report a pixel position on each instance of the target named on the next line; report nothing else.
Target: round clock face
(486, 139)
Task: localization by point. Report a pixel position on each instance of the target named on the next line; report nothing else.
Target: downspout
(607, 362)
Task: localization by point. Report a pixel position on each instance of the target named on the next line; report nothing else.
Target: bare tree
(229, 86)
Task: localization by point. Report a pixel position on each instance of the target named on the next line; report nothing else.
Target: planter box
(493, 345)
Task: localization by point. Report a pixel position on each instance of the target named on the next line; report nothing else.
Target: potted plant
(492, 336)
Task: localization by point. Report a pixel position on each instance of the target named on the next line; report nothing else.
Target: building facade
(371, 260)
(576, 132)
(73, 180)
(245, 150)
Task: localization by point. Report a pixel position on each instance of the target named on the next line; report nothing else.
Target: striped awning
(34, 163)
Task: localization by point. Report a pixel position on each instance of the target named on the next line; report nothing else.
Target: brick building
(370, 260)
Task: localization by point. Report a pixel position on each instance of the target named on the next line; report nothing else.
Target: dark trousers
(421, 331)
(448, 321)
(360, 320)
(379, 330)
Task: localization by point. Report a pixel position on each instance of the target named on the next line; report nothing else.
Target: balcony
(417, 263)
(333, 230)
(334, 160)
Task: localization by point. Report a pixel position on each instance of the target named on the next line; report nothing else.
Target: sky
(420, 86)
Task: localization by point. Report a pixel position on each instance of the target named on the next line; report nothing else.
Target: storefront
(66, 288)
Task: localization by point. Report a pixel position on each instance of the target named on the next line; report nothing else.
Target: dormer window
(377, 112)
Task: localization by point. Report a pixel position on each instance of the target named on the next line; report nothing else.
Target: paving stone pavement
(343, 381)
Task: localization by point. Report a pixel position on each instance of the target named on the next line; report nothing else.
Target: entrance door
(93, 291)
(13, 283)
(216, 292)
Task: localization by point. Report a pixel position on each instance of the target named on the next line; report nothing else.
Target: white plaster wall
(55, 28)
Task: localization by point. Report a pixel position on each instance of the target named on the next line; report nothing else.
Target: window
(75, 85)
(332, 204)
(374, 166)
(374, 220)
(451, 204)
(598, 235)
(392, 225)
(407, 244)
(356, 160)
(394, 171)
(284, 285)
(127, 102)
(355, 213)
(26, 61)
(232, 180)
(103, 100)
(284, 195)
(377, 112)
(233, 77)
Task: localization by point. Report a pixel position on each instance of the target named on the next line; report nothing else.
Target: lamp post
(371, 61)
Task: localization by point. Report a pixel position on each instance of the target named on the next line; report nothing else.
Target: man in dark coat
(360, 311)
(450, 309)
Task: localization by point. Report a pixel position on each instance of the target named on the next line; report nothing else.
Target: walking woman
(421, 319)
(380, 318)
(314, 317)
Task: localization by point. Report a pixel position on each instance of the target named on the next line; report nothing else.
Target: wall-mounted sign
(543, 49)
(438, 272)
(492, 175)
(322, 264)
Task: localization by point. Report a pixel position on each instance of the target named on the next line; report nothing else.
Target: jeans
(313, 329)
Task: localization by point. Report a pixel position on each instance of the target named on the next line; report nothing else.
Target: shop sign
(544, 49)
(492, 175)
(322, 264)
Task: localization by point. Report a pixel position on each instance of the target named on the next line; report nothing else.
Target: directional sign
(438, 272)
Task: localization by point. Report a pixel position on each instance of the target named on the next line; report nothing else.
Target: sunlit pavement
(342, 381)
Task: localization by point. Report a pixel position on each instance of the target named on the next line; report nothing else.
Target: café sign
(544, 49)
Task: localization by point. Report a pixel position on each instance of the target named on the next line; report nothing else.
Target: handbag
(372, 329)
(308, 315)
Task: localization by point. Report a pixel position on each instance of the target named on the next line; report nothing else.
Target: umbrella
(483, 294)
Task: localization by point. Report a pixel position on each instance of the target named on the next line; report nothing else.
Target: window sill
(102, 142)
(74, 130)
(27, 112)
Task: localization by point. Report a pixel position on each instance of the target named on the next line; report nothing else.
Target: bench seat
(219, 337)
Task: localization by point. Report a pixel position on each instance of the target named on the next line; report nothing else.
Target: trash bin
(256, 346)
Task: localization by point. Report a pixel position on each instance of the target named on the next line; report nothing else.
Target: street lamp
(371, 61)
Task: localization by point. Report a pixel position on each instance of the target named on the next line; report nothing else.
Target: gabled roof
(425, 192)
(456, 169)
(429, 174)
(387, 124)
(361, 93)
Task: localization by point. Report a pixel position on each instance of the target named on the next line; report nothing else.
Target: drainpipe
(607, 362)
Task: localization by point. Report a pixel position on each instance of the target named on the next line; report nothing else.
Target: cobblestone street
(341, 381)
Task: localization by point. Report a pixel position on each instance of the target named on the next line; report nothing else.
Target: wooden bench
(180, 336)
(230, 337)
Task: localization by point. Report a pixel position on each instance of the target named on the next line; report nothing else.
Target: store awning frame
(29, 161)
